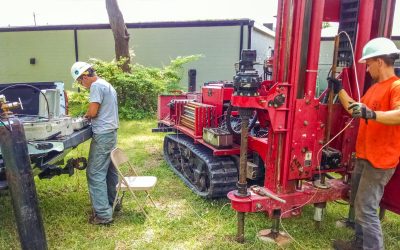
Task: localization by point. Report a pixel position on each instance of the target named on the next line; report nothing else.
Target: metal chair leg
(140, 206)
(116, 198)
(151, 199)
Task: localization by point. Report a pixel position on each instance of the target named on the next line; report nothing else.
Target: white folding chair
(131, 183)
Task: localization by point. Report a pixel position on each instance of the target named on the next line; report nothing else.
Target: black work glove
(334, 84)
(359, 110)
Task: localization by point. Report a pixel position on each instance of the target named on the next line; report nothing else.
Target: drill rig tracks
(207, 175)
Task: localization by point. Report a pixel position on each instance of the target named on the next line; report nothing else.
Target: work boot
(354, 244)
(96, 220)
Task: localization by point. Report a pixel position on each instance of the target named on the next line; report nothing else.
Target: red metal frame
(300, 128)
(308, 195)
(163, 110)
(292, 151)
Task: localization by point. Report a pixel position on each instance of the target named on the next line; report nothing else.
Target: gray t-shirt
(107, 116)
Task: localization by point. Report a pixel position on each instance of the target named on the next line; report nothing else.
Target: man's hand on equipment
(359, 110)
(334, 84)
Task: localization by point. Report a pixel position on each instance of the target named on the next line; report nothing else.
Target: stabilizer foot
(267, 235)
(321, 185)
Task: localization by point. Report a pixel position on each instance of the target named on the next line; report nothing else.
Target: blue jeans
(367, 187)
(101, 174)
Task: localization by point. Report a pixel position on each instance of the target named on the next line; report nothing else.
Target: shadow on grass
(129, 218)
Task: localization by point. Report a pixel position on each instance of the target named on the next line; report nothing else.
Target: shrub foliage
(137, 91)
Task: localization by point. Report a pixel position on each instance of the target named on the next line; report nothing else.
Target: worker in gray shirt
(103, 112)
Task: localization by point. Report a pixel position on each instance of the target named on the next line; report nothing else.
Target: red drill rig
(272, 146)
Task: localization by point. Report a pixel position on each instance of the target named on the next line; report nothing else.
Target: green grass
(181, 219)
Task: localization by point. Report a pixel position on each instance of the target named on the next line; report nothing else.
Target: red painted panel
(391, 197)
(331, 11)
(216, 95)
(163, 110)
(303, 149)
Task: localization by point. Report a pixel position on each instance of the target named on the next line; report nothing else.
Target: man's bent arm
(391, 117)
(345, 100)
(92, 110)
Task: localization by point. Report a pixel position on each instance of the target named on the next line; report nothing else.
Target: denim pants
(101, 175)
(367, 187)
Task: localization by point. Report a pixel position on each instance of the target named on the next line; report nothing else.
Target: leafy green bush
(137, 91)
(78, 102)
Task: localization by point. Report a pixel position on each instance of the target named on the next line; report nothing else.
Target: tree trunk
(120, 32)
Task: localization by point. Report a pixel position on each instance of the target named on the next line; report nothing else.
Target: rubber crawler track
(219, 171)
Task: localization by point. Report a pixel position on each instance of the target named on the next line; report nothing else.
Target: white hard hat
(78, 68)
(378, 47)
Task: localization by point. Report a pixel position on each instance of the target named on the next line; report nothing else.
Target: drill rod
(245, 115)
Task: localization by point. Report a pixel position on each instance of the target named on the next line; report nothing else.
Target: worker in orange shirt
(378, 141)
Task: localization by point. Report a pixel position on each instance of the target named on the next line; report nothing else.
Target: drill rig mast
(284, 127)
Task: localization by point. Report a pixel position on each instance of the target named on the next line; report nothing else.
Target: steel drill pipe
(189, 107)
(245, 115)
(188, 114)
(240, 225)
(193, 104)
(188, 119)
(187, 124)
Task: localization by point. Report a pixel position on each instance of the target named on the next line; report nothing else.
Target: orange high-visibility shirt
(376, 142)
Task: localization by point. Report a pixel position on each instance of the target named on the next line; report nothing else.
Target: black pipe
(241, 42)
(240, 226)
(192, 80)
(249, 32)
(22, 186)
(76, 45)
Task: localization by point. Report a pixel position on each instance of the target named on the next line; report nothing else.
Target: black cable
(324, 100)
(329, 73)
(30, 86)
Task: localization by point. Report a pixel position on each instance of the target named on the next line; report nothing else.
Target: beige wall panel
(54, 52)
(263, 43)
(96, 44)
(324, 64)
(218, 45)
